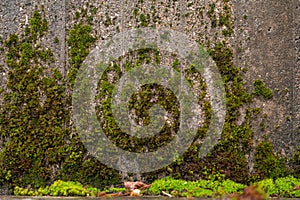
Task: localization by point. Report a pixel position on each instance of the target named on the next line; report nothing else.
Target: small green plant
(69, 188)
(114, 190)
(201, 188)
(282, 187)
(268, 186)
(58, 188)
(230, 186)
(295, 194)
(285, 185)
(108, 20)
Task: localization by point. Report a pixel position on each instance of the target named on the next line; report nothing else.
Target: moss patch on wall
(261, 90)
(33, 117)
(37, 143)
(267, 164)
(40, 144)
(79, 41)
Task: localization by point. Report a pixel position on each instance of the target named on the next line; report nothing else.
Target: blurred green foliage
(58, 188)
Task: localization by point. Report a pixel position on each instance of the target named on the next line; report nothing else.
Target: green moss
(31, 127)
(200, 188)
(59, 188)
(56, 40)
(256, 111)
(295, 161)
(139, 103)
(107, 21)
(12, 40)
(135, 11)
(38, 26)
(211, 9)
(261, 90)
(267, 164)
(282, 187)
(79, 40)
(37, 134)
(36, 112)
(212, 16)
(176, 64)
(143, 19)
(78, 166)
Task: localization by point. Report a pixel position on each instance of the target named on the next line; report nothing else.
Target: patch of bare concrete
(265, 45)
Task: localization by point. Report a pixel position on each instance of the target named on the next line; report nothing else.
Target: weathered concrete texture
(15, 16)
(265, 46)
(10, 15)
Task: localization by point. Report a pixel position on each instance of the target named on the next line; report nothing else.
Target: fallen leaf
(252, 193)
(103, 194)
(296, 187)
(135, 185)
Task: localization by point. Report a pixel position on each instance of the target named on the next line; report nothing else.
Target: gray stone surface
(265, 45)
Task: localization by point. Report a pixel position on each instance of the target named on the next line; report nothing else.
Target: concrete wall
(266, 42)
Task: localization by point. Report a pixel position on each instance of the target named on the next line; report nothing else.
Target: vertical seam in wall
(296, 37)
(65, 57)
(65, 47)
(182, 28)
(294, 70)
(122, 29)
